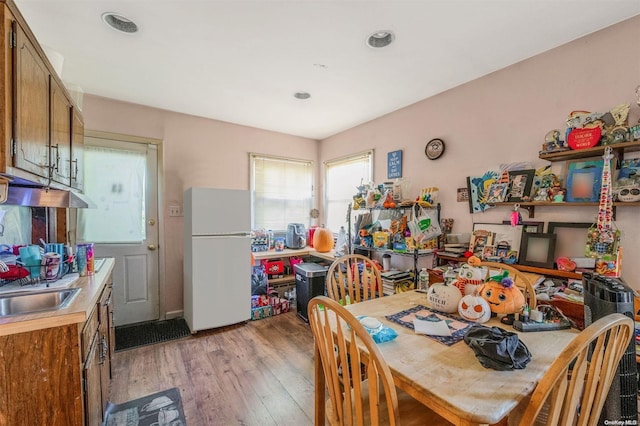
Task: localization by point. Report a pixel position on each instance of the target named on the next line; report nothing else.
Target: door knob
(152, 247)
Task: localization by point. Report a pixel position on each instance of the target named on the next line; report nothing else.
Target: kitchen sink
(47, 300)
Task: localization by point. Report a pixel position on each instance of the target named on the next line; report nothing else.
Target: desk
(449, 379)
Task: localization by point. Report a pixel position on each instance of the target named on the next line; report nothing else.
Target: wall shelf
(618, 148)
(530, 206)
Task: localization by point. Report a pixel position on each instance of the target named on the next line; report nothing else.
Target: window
(342, 178)
(281, 191)
(115, 178)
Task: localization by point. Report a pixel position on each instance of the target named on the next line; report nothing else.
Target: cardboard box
(261, 312)
(279, 305)
(273, 267)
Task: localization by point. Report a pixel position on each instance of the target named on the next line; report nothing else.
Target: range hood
(45, 197)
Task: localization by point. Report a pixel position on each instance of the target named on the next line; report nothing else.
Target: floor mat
(148, 333)
(162, 408)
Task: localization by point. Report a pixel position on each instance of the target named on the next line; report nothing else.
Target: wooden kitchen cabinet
(59, 375)
(31, 115)
(77, 150)
(60, 135)
(41, 131)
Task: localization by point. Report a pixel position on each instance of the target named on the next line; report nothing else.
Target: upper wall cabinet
(60, 135)
(39, 121)
(31, 114)
(77, 150)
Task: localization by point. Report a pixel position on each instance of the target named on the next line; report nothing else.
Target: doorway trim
(161, 234)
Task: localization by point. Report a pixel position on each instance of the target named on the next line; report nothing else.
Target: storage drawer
(89, 330)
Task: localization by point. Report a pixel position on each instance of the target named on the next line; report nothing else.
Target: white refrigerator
(217, 257)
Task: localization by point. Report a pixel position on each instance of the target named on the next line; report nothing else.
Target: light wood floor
(260, 373)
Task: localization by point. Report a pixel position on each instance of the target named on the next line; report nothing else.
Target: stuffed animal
(470, 276)
(502, 294)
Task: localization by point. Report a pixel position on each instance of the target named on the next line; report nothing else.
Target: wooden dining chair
(519, 279)
(355, 278)
(372, 398)
(574, 389)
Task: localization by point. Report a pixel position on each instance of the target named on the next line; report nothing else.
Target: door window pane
(115, 182)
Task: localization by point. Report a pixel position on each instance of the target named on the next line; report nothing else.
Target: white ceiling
(241, 61)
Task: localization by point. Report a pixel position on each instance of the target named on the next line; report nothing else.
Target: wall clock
(434, 149)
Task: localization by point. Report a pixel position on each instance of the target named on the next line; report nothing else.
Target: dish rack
(24, 275)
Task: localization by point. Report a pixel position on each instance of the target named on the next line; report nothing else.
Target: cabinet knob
(152, 247)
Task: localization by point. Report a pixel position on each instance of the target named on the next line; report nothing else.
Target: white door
(121, 178)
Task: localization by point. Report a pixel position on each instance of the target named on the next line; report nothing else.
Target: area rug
(133, 336)
(159, 409)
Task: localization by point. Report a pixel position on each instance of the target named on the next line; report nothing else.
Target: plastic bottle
(423, 278)
(449, 276)
(272, 241)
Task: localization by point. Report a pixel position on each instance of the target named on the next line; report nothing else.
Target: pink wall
(196, 152)
(503, 117)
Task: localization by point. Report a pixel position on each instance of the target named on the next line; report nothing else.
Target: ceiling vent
(119, 22)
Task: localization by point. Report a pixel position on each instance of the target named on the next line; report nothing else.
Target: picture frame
(497, 192)
(506, 237)
(571, 238)
(520, 182)
(583, 179)
(477, 188)
(537, 249)
(528, 226)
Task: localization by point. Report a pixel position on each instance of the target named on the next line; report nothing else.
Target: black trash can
(310, 282)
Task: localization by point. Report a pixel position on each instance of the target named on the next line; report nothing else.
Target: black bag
(497, 348)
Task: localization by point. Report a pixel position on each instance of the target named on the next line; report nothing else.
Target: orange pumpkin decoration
(502, 294)
(323, 240)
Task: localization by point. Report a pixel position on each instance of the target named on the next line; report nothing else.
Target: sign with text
(394, 164)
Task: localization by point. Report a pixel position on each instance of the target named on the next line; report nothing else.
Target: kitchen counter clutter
(55, 366)
(77, 312)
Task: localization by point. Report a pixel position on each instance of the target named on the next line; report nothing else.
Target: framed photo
(528, 226)
(462, 195)
(497, 192)
(571, 238)
(537, 250)
(505, 239)
(584, 178)
(520, 182)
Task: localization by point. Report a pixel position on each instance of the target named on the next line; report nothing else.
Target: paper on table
(432, 328)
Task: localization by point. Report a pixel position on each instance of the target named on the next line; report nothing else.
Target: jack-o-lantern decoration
(470, 277)
(444, 298)
(502, 294)
(474, 307)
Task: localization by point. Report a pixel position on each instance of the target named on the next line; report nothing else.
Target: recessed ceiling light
(119, 22)
(301, 95)
(380, 39)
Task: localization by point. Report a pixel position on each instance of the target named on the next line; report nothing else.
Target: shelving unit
(619, 149)
(287, 282)
(416, 253)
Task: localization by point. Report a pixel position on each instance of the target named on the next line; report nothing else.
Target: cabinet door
(31, 114)
(93, 389)
(104, 345)
(60, 135)
(77, 150)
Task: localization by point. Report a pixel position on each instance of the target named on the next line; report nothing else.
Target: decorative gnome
(503, 296)
(470, 276)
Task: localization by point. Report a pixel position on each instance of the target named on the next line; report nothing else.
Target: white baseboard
(174, 314)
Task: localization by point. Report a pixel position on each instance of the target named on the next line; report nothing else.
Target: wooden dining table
(449, 379)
